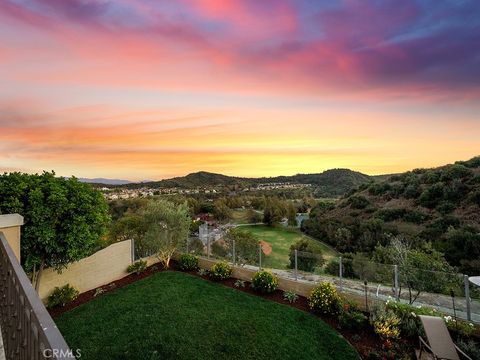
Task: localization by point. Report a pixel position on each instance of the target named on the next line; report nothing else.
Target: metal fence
(449, 293)
(28, 331)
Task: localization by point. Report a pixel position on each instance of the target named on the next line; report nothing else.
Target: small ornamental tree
(166, 228)
(65, 220)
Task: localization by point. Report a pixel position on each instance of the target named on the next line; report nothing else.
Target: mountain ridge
(335, 181)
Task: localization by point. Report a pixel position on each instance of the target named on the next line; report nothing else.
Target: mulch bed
(365, 341)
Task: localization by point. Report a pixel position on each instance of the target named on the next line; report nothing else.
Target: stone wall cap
(11, 220)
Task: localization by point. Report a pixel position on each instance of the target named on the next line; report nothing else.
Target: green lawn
(281, 239)
(171, 315)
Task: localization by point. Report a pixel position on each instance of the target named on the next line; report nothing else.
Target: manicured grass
(281, 239)
(172, 315)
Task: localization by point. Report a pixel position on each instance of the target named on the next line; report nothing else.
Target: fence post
(296, 264)
(133, 250)
(395, 270)
(260, 257)
(233, 253)
(467, 297)
(208, 247)
(340, 273)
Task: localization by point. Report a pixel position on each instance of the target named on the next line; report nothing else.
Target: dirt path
(266, 247)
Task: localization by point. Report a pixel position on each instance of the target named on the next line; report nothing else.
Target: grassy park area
(173, 315)
(280, 239)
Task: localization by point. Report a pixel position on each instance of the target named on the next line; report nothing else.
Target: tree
(273, 211)
(166, 228)
(132, 227)
(246, 245)
(65, 220)
(309, 256)
(291, 214)
(253, 217)
(419, 269)
(221, 210)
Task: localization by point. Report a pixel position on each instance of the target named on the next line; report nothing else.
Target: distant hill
(333, 182)
(440, 206)
(103, 181)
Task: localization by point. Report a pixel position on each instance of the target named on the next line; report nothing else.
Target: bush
(350, 317)
(410, 324)
(353, 320)
(475, 197)
(333, 267)
(239, 283)
(432, 196)
(445, 207)
(202, 272)
(465, 329)
(264, 282)
(137, 267)
(324, 298)
(290, 296)
(387, 326)
(188, 262)
(62, 295)
(358, 202)
(220, 271)
(379, 188)
(98, 291)
(469, 347)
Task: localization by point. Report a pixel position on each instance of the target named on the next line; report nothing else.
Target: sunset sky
(150, 89)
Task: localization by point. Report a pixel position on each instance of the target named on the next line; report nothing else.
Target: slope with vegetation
(439, 206)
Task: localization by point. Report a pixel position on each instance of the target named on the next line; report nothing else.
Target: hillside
(330, 183)
(440, 206)
(104, 181)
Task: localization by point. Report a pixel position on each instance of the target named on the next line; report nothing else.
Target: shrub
(432, 196)
(465, 329)
(239, 283)
(137, 267)
(350, 317)
(379, 188)
(290, 296)
(469, 347)
(220, 271)
(202, 272)
(188, 262)
(358, 202)
(410, 324)
(264, 282)
(387, 326)
(98, 291)
(62, 295)
(475, 197)
(445, 207)
(333, 267)
(353, 320)
(324, 298)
